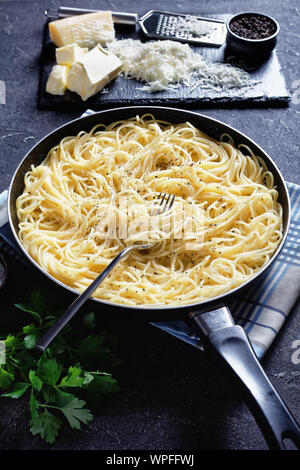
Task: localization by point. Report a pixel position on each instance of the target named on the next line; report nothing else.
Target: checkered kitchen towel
(264, 308)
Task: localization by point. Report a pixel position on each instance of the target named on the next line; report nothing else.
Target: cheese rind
(91, 73)
(67, 55)
(57, 80)
(85, 30)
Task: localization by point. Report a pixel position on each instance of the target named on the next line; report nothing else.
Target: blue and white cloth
(265, 307)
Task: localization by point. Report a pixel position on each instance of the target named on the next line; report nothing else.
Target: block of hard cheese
(92, 72)
(57, 81)
(85, 30)
(67, 55)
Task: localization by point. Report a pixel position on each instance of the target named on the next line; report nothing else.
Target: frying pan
(226, 342)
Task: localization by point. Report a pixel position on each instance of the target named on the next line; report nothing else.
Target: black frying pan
(224, 340)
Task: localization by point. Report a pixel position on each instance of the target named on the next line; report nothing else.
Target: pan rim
(154, 308)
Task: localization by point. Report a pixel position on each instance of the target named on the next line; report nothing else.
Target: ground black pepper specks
(253, 27)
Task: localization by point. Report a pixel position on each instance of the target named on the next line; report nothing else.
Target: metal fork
(164, 203)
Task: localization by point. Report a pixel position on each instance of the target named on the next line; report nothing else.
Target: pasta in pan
(67, 212)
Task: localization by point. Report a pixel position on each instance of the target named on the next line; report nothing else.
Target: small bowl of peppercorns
(252, 33)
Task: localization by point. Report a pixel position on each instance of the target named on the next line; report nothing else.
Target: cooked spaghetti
(69, 200)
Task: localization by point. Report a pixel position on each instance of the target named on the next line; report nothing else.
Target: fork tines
(165, 204)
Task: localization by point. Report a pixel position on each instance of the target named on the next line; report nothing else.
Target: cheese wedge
(85, 30)
(57, 80)
(67, 55)
(91, 73)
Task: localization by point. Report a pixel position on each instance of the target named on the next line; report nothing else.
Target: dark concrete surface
(171, 396)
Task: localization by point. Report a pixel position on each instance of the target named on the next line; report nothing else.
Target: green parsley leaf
(45, 424)
(73, 379)
(26, 309)
(74, 410)
(49, 370)
(88, 377)
(30, 341)
(17, 391)
(11, 344)
(35, 380)
(72, 362)
(49, 394)
(106, 384)
(90, 347)
(6, 378)
(94, 354)
(89, 321)
(32, 334)
(37, 301)
(103, 384)
(33, 405)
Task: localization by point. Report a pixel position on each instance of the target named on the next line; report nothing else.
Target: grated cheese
(192, 25)
(164, 65)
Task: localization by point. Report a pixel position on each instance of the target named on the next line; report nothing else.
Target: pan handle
(229, 344)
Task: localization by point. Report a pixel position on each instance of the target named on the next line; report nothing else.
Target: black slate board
(270, 91)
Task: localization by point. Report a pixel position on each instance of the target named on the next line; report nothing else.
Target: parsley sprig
(61, 381)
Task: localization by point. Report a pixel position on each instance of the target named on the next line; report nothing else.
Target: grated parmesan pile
(192, 25)
(163, 65)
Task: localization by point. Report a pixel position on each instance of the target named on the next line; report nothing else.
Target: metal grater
(165, 25)
(159, 25)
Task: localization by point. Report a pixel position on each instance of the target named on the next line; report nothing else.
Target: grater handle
(117, 16)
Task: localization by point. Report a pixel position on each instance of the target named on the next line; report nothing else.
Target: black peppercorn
(253, 27)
